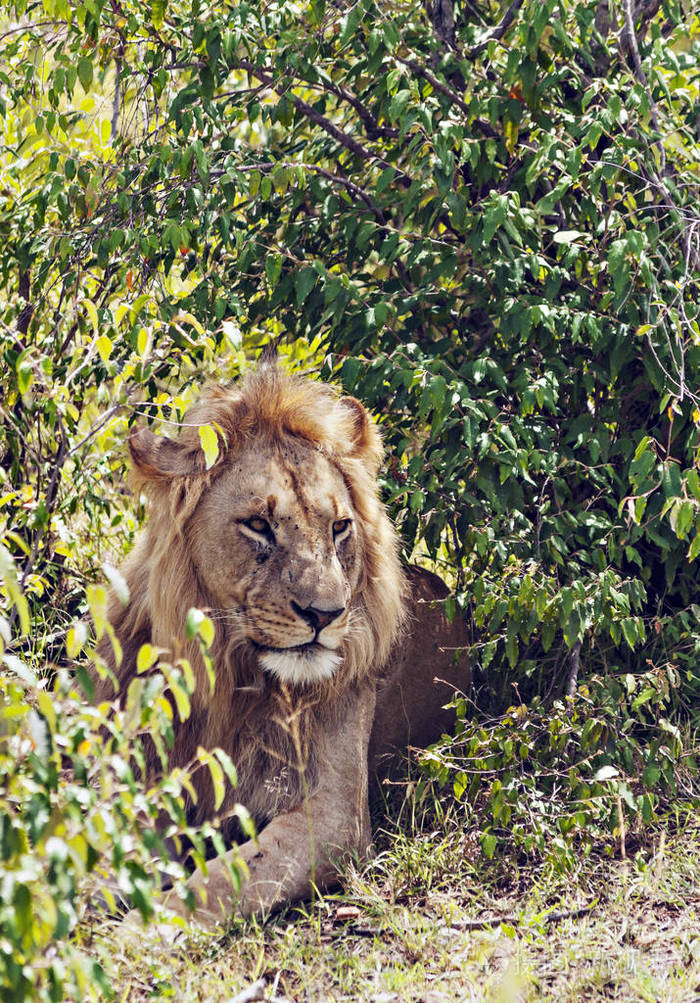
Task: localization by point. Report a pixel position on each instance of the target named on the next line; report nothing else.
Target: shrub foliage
(484, 221)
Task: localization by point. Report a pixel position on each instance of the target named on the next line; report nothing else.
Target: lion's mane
(268, 728)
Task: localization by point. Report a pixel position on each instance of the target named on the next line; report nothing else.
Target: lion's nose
(316, 617)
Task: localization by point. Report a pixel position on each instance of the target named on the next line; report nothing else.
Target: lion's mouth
(300, 663)
(307, 647)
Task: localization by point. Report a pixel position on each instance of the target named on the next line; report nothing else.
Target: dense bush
(484, 222)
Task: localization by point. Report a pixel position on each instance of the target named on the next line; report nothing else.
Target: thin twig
(623, 831)
(96, 427)
(553, 917)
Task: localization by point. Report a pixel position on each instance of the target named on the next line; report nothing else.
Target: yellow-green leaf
(182, 700)
(217, 779)
(104, 347)
(8, 577)
(146, 657)
(97, 602)
(158, 8)
(85, 72)
(188, 318)
(91, 311)
(206, 631)
(210, 444)
(75, 638)
(142, 342)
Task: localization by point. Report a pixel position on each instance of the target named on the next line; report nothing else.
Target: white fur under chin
(309, 666)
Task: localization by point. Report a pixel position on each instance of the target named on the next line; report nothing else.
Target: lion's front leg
(298, 851)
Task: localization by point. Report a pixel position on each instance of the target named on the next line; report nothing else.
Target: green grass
(429, 920)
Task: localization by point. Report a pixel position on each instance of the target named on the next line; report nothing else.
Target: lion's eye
(260, 526)
(340, 526)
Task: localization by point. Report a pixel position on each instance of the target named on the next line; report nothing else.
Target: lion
(325, 651)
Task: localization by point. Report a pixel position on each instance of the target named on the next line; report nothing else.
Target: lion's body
(287, 547)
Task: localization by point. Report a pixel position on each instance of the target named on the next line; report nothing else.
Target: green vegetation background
(482, 222)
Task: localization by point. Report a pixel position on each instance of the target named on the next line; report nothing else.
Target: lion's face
(275, 544)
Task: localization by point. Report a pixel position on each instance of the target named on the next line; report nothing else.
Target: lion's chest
(276, 769)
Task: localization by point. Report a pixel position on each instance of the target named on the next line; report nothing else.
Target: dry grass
(428, 921)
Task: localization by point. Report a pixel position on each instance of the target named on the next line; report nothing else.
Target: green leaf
(606, 773)
(228, 766)
(181, 697)
(254, 180)
(398, 105)
(304, 281)
(567, 236)
(671, 479)
(349, 373)
(85, 72)
(629, 630)
(350, 23)
(217, 776)
(488, 845)
(91, 311)
(693, 482)
(694, 548)
(25, 372)
(197, 623)
(651, 775)
(273, 268)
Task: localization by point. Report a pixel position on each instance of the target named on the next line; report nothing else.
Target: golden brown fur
(283, 536)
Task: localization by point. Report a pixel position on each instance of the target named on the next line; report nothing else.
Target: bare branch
(498, 32)
(442, 17)
(318, 119)
(116, 100)
(438, 85)
(628, 40)
(372, 127)
(574, 666)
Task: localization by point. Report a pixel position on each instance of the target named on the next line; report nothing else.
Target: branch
(372, 127)
(49, 501)
(442, 16)
(438, 85)
(628, 40)
(27, 311)
(498, 32)
(556, 916)
(318, 119)
(116, 100)
(573, 669)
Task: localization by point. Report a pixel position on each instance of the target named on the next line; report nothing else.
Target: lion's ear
(365, 439)
(158, 458)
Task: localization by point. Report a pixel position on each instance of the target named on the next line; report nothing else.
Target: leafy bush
(486, 225)
(80, 829)
(545, 782)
